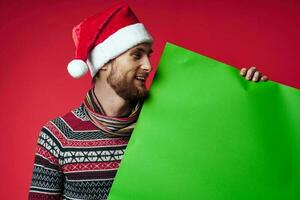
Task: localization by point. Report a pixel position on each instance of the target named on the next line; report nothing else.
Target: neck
(111, 102)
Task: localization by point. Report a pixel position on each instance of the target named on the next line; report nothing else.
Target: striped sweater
(74, 160)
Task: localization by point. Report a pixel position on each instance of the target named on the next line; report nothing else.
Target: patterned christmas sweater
(74, 160)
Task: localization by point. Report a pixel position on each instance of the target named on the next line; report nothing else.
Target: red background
(36, 46)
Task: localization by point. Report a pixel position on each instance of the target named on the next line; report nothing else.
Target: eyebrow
(143, 50)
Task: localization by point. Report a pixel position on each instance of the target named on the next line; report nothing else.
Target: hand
(252, 74)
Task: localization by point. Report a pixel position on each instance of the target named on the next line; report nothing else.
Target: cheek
(131, 74)
(125, 77)
(126, 70)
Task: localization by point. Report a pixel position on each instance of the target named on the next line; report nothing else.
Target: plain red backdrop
(36, 46)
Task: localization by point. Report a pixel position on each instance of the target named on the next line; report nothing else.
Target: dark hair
(95, 77)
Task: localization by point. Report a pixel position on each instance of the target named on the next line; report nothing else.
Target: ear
(106, 66)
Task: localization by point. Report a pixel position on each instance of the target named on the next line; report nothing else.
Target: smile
(140, 78)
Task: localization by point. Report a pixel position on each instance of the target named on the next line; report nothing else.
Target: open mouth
(140, 78)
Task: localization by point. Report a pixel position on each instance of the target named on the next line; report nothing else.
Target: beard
(126, 88)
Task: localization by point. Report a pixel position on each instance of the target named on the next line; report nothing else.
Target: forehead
(142, 47)
(146, 47)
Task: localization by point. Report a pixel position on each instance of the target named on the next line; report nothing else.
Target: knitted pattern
(74, 159)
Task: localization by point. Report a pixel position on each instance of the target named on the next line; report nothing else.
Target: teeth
(140, 78)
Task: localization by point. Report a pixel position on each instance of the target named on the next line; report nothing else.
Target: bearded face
(130, 86)
(129, 72)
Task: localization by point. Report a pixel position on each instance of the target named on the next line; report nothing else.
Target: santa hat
(104, 36)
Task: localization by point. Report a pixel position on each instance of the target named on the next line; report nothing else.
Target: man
(79, 153)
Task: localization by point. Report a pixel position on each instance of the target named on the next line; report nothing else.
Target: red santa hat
(104, 36)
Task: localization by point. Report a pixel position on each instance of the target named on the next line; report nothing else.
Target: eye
(137, 56)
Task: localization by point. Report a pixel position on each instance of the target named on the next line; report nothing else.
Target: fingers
(243, 71)
(256, 76)
(264, 78)
(250, 73)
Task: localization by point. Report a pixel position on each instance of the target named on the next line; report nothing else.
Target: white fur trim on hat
(117, 43)
(77, 68)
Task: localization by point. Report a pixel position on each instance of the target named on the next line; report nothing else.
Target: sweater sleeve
(47, 179)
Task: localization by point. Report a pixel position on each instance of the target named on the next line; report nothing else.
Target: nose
(146, 66)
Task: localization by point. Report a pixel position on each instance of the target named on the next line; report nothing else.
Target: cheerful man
(79, 153)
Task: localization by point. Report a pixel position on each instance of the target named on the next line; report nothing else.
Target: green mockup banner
(206, 133)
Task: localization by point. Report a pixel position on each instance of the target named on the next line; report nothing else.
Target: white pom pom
(77, 68)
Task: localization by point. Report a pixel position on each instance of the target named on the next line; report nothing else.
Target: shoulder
(73, 119)
(71, 125)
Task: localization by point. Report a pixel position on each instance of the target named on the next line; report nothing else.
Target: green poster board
(207, 133)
